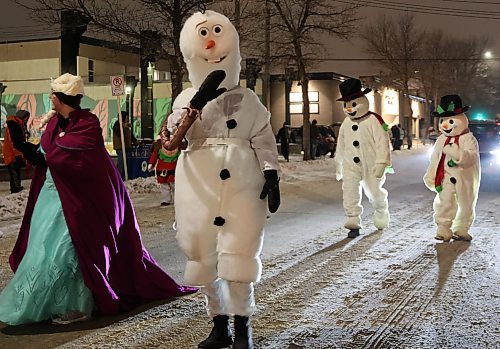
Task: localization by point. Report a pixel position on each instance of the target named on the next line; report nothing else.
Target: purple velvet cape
(115, 265)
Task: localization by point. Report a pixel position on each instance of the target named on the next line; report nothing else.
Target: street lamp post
(289, 76)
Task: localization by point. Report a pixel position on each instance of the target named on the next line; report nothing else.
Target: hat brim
(355, 95)
(450, 113)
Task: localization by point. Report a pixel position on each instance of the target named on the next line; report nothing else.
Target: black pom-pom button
(231, 124)
(224, 174)
(219, 221)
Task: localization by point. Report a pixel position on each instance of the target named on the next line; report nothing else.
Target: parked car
(327, 143)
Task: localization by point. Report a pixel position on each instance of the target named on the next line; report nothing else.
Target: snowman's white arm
(264, 145)
(469, 152)
(382, 143)
(430, 174)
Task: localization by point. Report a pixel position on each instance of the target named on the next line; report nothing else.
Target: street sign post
(118, 89)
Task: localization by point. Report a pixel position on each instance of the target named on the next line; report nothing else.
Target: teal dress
(48, 282)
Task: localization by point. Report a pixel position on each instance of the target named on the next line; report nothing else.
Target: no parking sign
(117, 85)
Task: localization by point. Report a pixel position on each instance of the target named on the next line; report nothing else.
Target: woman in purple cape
(79, 248)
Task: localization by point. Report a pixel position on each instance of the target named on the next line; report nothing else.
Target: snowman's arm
(468, 152)
(264, 145)
(430, 174)
(382, 143)
(339, 152)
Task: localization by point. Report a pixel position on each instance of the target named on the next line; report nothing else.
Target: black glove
(208, 89)
(31, 152)
(271, 189)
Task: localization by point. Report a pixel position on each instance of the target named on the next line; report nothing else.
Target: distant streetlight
(488, 55)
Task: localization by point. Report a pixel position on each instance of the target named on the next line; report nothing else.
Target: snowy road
(393, 289)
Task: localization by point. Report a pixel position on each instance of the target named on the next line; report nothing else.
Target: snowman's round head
(210, 42)
(357, 107)
(453, 125)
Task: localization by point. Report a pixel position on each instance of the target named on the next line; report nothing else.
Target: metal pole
(124, 155)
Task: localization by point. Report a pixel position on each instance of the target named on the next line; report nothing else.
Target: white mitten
(150, 168)
(453, 150)
(379, 170)
(338, 174)
(429, 183)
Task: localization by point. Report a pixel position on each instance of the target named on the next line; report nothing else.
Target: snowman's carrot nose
(210, 44)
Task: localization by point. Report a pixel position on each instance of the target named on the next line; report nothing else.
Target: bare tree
(299, 30)
(126, 21)
(397, 42)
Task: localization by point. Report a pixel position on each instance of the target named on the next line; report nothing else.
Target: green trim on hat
(451, 107)
(440, 110)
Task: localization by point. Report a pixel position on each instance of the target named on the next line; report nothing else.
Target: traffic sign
(117, 85)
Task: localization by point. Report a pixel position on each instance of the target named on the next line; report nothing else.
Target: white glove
(338, 175)
(150, 168)
(429, 183)
(453, 150)
(379, 170)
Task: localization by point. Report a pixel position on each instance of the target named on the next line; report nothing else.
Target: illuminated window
(296, 104)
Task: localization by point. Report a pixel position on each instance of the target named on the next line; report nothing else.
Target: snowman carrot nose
(446, 126)
(210, 44)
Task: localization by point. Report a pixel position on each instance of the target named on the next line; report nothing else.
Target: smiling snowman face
(453, 125)
(357, 107)
(210, 42)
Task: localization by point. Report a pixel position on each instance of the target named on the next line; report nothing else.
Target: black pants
(15, 174)
(285, 150)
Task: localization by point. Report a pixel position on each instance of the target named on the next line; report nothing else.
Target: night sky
(16, 24)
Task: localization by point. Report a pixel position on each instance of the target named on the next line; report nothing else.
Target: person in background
(79, 248)
(163, 162)
(117, 142)
(12, 157)
(282, 138)
(315, 138)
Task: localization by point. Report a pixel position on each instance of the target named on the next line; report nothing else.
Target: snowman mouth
(218, 60)
(353, 113)
(448, 131)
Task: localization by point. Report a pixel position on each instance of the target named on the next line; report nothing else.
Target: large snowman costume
(362, 157)
(454, 172)
(231, 156)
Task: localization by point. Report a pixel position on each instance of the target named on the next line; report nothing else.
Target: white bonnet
(68, 84)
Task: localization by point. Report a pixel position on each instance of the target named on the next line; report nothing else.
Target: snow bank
(13, 205)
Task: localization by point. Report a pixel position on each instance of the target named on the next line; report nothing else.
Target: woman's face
(56, 103)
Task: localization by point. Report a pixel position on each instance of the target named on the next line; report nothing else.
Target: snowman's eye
(451, 122)
(217, 29)
(354, 104)
(345, 105)
(203, 32)
(441, 121)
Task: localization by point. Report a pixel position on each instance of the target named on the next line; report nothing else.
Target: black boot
(242, 333)
(220, 337)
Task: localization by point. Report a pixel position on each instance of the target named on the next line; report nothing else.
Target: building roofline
(2, 42)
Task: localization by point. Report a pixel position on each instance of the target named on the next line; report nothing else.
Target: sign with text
(117, 85)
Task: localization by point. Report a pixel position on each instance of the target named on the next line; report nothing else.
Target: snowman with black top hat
(362, 158)
(454, 172)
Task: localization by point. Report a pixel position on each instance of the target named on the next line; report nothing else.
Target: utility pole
(237, 14)
(73, 25)
(150, 47)
(266, 78)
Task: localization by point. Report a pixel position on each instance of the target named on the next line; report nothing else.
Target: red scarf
(440, 169)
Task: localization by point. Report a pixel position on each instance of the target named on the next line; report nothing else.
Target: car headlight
(495, 152)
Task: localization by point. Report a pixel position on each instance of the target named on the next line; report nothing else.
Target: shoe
(381, 219)
(443, 234)
(70, 317)
(461, 236)
(353, 233)
(242, 333)
(220, 336)
(16, 190)
(353, 223)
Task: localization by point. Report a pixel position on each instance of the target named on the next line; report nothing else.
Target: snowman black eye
(354, 104)
(217, 29)
(441, 121)
(451, 122)
(345, 105)
(203, 32)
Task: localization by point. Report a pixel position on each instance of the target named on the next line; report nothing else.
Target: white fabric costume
(455, 202)
(362, 155)
(219, 214)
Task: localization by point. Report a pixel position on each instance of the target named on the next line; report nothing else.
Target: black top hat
(351, 89)
(450, 105)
